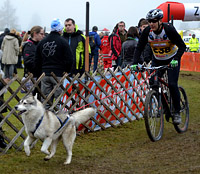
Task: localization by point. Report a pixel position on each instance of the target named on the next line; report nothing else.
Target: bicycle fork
(159, 90)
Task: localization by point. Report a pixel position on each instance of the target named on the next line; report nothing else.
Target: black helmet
(154, 14)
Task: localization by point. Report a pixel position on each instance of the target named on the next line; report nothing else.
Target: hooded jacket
(76, 42)
(10, 48)
(53, 54)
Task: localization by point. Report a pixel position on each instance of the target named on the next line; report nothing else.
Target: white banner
(192, 12)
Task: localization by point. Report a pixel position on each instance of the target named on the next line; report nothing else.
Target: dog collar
(37, 125)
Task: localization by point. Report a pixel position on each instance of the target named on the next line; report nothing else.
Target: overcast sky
(103, 13)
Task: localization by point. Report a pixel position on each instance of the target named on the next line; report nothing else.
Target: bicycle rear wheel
(154, 122)
(184, 112)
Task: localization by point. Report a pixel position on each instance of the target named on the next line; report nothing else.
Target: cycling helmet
(154, 14)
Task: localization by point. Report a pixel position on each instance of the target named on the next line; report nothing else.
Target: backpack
(92, 42)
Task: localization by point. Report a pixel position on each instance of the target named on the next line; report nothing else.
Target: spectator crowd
(18, 50)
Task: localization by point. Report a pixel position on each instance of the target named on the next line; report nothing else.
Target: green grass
(125, 149)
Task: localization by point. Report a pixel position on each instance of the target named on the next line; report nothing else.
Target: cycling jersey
(166, 45)
(161, 46)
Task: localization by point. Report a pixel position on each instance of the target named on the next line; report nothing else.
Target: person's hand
(6, 80)
(174, 63)
(134, 67)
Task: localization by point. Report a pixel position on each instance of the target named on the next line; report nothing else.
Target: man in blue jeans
(95, 48)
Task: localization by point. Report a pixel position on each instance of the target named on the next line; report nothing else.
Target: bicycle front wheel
(184, 112)
(154, 121)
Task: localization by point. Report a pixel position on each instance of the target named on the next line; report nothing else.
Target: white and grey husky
(49, 127)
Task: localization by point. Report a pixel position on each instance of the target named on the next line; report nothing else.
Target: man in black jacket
(167, 47)
(53, 54)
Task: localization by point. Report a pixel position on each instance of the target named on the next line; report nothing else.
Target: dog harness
(62, 123)
(37, 125)
(40, 121)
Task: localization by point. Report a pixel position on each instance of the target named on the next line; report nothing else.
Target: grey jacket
(127, 52)
(10, 48)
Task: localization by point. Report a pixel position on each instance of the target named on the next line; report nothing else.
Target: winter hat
(56, 25)
(6, 31)
(95, 28)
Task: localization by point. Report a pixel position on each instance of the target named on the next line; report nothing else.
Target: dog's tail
(83, 115)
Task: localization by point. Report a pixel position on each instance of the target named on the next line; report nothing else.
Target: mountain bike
(159, 103)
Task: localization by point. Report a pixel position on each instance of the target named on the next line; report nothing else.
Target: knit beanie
(6, 31)
(56, 25)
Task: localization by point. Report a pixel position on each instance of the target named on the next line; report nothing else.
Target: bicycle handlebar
(142, 67)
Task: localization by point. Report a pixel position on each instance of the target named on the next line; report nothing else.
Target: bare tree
(7, 17)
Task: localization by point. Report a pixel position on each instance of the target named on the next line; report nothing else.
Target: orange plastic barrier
(190, 62)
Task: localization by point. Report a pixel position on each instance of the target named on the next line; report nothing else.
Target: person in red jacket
(115, 45)
(105, 50)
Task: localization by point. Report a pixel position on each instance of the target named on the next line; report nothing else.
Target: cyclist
(167, 47)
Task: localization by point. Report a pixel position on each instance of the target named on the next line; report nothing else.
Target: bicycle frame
(162, 98)
(166, 99)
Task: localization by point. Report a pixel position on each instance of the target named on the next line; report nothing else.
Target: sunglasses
(152, 21)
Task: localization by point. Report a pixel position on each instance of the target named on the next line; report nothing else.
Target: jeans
(47, 85)
(9, 70)
(118, 62)
(95, 55)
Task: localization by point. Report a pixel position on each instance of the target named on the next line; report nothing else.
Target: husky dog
(49, 127)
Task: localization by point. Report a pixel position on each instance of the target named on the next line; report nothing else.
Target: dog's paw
(27, 151)
(45, 151)
(46, 158)
(67, 162)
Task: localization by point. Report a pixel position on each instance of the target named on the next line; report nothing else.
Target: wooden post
(168, 14)
(172, 19)
(87, 39)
